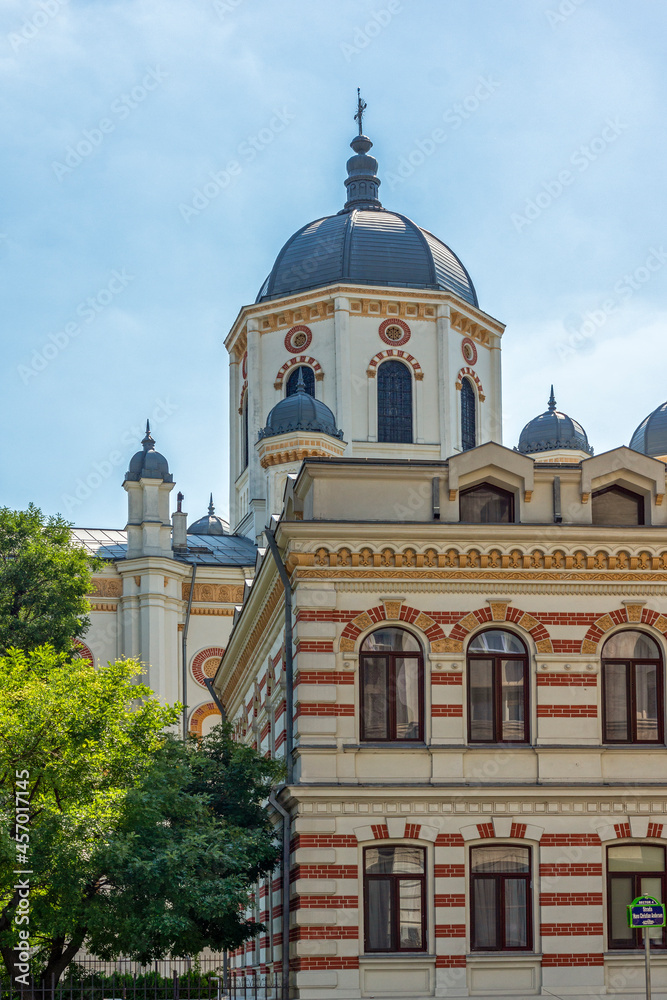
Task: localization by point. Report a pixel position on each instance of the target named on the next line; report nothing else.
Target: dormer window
(486, 504)
(616, 506)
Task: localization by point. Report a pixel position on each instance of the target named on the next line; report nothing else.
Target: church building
(457, 647)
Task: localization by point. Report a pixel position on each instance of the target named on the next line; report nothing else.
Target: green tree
(44, 578)
(138, 844)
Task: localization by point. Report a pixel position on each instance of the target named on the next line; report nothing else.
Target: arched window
(244, 432)
(617, 506)
(392, 686)
(394, 402)
(468, 416)
(486, 504)
(633, 870)
(631, 689)
(497, 688)
(308, 380)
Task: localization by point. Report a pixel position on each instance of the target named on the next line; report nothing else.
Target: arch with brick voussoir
(199, 715)
(502, 615)
(631, 616)
(399, 615)
(198, 664)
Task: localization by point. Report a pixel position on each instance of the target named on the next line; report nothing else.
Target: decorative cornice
(212, 593)
(106, 587)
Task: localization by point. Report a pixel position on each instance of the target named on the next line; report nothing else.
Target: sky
(156, 155)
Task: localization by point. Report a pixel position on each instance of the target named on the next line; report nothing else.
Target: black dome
(300, 412)
(149, 463)
(209, 524)
(650, 438)
(365, 244)
(553, 431)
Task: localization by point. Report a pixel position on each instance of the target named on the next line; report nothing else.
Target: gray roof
(366, 244)
(552, 431)
(205, 550)
(650, 438)
(300, 412)
(149, 463)
(209, 524)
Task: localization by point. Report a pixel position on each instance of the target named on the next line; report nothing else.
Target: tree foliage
(44, 578)
(139, 845)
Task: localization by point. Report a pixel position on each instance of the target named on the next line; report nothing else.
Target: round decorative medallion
(394, 332)
(469, 351)
(298, 339)
(206, 663)
(244, 365)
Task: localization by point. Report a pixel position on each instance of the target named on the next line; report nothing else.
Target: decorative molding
(298, 339)
(82, 652)
(212, 593)
(205, 663)
(105, 587)
(198, 716)
(103, 607)
(469, 351)
(407, 614)
(621, 616)
(303, 359)
(371, 371)
(385, 330)
(469, 373)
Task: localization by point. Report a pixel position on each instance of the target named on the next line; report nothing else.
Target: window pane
(391, 640)
(376, 698)
(630, 646)
(308, 380)
(495, 641)
(394, 402)
(481, 701)
(486, 505)
(468, 422)
(504, 858)
(652, 886)
(410, 913)
(615, 702)
(395, 860)
(646, 700)
(484, 930)
(512, 704)
(516, 915)
(379, 915)
(407, 698)
(621, 895)
(636, 858)
(618, 507)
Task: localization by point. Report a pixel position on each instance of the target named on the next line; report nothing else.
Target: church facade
(457, 647)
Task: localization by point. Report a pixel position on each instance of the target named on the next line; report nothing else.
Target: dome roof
(210, 524)
(149, 463)
(650, 438)
(300, 412)
(553, 431)
(366, 244)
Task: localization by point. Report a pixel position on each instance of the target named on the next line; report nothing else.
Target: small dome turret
(300, 412)
(553, 431)
(209, 524)
(149, 463)
(650, 438)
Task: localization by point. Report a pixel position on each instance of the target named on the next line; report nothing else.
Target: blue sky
(548, 183)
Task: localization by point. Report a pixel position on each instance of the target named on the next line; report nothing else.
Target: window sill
(397, 956)
(493, 956)
(389, 745)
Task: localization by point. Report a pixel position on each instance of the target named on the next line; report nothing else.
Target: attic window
(486, 504)
(617, 506)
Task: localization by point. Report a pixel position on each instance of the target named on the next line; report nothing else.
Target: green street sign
(646, 911)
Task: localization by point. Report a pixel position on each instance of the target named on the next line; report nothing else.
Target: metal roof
(205, 550)
(650, 438)
(551, 431)
(368, 247)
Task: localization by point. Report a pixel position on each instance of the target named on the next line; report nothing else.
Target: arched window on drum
(394, 390)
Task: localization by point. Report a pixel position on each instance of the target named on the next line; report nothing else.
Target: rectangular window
(395, 899)
(634, 870)
(631, 702)
(500, 893)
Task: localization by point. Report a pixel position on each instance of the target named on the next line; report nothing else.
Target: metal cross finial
(361, 107)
